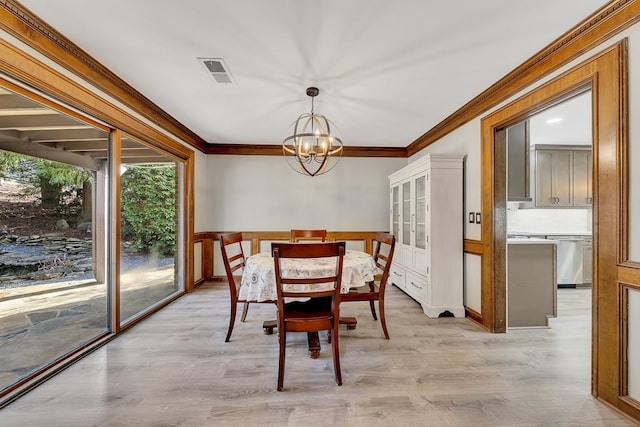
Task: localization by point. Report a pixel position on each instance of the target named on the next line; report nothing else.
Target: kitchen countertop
(530, 241)
(538, 234)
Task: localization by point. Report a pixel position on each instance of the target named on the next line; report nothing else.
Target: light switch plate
(477, 217)
(472, 217)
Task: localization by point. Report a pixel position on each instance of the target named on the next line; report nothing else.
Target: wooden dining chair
(374, 291)
(234, 260)
(321, 311)
(313, 235)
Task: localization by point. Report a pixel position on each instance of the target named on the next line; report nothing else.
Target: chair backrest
(385, 244)
(232, 255)
(300, 286)
(316, 235)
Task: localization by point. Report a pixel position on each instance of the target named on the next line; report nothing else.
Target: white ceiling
(388, 71)
(568, 123)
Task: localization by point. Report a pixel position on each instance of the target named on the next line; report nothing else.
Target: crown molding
(21, 23)
(276, 150)
(25, 26)
(608, 21)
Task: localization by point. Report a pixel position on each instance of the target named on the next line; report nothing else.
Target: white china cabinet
(426, 217)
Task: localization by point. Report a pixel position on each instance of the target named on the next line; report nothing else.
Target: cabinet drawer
(397, 276)
(416, 286)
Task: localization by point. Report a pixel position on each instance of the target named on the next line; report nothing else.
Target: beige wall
(262, 193)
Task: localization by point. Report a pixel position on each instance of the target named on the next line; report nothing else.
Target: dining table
(258, 281)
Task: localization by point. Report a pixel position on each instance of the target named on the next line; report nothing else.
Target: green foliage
(9, 164)
(60, 174)
(60, 184)
(148, 196)
(19, 168)
(33, 170)
(149, 208)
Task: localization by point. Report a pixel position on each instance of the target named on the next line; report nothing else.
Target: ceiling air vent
(217, 69)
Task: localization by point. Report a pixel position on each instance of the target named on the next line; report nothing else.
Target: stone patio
(39, 323)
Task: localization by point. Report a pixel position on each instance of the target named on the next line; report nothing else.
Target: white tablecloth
(259, 281)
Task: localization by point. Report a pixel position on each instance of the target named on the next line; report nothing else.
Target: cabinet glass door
(406, 213)
(395, 211)
(420, 204)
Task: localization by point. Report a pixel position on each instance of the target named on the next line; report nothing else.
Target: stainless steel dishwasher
(587, 261)
(569, 261)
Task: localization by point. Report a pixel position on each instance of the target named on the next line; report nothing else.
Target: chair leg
(350, 321)
(313, 339)
(232, 320)
(282, 339)
(336, 354)
(382, 318)
(268, 326)
(245, 309)
(373, 310)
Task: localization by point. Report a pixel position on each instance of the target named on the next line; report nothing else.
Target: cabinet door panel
(395, 211)
(544, 179)
(562, 177)
(582, 167)
(406, 256)
(518, 161)
(420, 262)
(421, 212)
(554, 178)
(406, 213)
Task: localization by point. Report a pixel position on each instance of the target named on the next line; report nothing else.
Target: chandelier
(312, 149)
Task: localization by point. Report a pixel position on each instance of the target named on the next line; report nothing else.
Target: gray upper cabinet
(518, 187)
(582, 185)
(553, 178)
(563, 176)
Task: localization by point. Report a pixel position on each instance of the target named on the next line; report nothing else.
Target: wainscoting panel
(472, 282)
(197, 262)
(208, 263)
(633, 347)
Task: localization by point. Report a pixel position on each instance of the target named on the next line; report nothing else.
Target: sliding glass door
(150, 235)
(64, 285)
(53, 281)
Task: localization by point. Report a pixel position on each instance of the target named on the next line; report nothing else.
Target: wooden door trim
(605, 74)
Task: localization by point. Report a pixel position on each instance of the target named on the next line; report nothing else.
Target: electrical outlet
(472, 218)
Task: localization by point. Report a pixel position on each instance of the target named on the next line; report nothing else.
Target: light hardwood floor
(174, 369)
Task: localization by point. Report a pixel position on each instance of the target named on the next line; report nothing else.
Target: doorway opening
(605, 74)
(549, 218)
